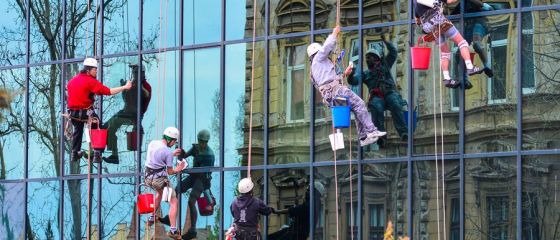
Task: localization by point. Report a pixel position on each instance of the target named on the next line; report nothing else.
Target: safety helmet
(245, 185)
(171, 132)
(90, 62)
(313, 48)
(203, 135)
(133, 66)
(374, 51)
(319, 186)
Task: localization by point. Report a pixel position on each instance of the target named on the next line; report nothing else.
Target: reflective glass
(44, 121)
(160, 27)
(540, 197)
(162, 73)
(12, 127)
(385, 199)
(120, 26)
(490, 198)
(383, 11)
(118, 208)
(120, 112)
(45, 32)
(202, 102)
(528, 3)
(12, 210)
(231, 179)
(76, 208)
(199, 187)
(289, 16)
(82, 28)
(539, 77)
(326, 13)
(13, 37)
(237, 104)
(289, 105)
(435, 196)
(239, 19)
(430, 92)
(490, 106)
(43, 205)
(289, 194)
(329, 215)
(203, 21)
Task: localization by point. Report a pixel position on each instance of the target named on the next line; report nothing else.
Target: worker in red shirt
(81, 90)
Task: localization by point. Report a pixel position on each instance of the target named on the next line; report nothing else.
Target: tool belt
(433, 23)
(80, 114)
(249, 233)
(329, 90)
(151, 171)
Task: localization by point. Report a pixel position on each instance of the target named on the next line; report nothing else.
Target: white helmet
(319, 186)
(313, 48)
(245, 185)
(90, 62)
(171, 132)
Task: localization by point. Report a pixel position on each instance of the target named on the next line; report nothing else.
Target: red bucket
(420, 56)
(98, 138)
(203, 206)
(473, 54)
(145, 203)
(131, 141)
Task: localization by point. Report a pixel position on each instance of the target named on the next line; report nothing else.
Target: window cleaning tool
(337, 140)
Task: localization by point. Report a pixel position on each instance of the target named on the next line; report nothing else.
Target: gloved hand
(487, 7)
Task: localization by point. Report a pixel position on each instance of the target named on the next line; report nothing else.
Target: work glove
(487, 7)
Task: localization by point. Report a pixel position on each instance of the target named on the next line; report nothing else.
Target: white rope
(249, 159)
(442, 141)
(435, 144)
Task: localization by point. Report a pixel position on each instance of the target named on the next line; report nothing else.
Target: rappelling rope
(251, 95)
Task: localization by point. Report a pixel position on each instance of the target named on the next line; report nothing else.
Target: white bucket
(427, 3)
(337, 140)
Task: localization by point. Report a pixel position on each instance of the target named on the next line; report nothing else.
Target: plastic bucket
(414, 119)
(420, 56)
(203, 206)
(98, 138)
(340, 108)
(473, 54)
(145, 203)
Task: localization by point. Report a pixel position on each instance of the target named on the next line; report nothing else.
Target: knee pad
(445, 55)
(463, 44)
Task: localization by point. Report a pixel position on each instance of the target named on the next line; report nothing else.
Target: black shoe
(189, 235)
(114, 159)
(151, 220)
(165, 220)
(174, 234)
(468, 84)
(450, 83)
(96, 157)
(488, 71)
(77, 155)
(475, 70)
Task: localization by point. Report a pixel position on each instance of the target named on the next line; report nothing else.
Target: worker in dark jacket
(383, 92)
(245, 210)
(81, 90)
(128, 114)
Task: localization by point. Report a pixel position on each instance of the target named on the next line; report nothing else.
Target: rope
(351, 187)
(336, 182)
(251, 96)
(88, 225)
(442, 143)
(436, 146)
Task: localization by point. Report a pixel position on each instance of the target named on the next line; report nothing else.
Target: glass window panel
(231, 179)
(540, 196)
(44, 121)
(288, 192)
(290, 16)
(12, 85)
(13, 37)
(82, 28)
(239, 19)
(120, 26)
(490, 106)
(120, 112)
(162, 73)
(325, 204)
(326, 13)
(427, 93)
(202, 100)
(12, 210)
(43, 205)
(160, 28)
(45, 31)
(118, 208)
(490, 193)
(203, 21)
(237, 104)
(289, 133)
(206, 227)
(540, 53)
(426, 198)
(76, 208)
(384, 187)
(528, 3)
(382, 11)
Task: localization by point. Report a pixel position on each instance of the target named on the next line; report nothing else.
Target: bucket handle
(342, 96)
(421, 42)
(92, 120)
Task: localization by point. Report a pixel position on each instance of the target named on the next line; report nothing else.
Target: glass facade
(497, 178)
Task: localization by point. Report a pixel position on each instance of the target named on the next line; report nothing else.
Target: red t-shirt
(81, 90)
